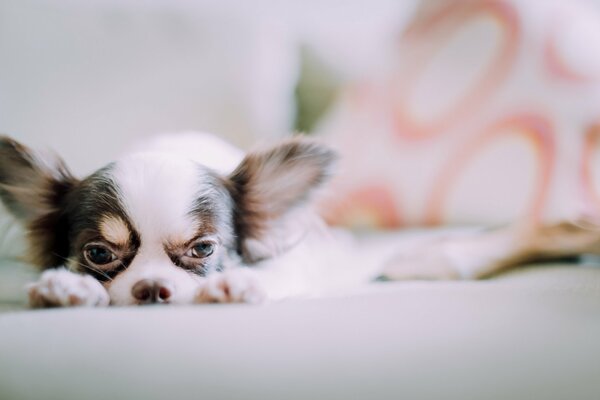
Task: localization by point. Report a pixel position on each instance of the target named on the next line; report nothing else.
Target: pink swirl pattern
(540, 85)
(534, 128)
(433, 33)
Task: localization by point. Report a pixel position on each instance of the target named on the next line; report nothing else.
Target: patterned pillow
(486, 116)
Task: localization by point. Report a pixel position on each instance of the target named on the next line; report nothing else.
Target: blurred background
(445, 112)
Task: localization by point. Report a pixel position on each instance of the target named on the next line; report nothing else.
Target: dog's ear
(268, 186)
(30, 186)
(33, 190)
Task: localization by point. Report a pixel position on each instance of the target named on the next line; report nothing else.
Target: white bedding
(531, 334)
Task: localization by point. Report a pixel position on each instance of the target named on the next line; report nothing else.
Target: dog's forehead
(159, 193)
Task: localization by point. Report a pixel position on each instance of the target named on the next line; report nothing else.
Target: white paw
(62, 288)
(233, 286)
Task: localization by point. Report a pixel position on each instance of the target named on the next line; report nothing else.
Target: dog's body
(191, 219)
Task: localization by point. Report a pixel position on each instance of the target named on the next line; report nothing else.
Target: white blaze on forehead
(158, 192)
(114, 230)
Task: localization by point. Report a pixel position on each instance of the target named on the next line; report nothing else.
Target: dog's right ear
(268, 186)
(31, 188)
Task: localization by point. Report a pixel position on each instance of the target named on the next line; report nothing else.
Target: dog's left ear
(268, 186)
(33, 189)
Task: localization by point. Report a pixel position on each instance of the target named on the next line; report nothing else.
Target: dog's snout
(149, 291)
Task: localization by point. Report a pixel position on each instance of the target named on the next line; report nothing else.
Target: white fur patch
(158, 192)
(204, 148)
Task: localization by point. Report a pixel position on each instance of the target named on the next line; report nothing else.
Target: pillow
(488, 114)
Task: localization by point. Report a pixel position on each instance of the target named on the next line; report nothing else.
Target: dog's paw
(62, 288)
(233, 286)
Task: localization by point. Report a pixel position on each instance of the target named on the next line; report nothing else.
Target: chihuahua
(191, 219)
(157, 226)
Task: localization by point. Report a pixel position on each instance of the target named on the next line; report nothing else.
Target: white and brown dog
(191, 219)
(177, 222)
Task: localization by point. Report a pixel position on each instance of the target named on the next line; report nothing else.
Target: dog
(190, 219)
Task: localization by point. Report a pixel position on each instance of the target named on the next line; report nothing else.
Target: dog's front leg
(63, 288)
(235, 285)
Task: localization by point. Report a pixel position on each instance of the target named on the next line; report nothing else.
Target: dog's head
(150, 225)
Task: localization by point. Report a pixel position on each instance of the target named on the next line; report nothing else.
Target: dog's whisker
(104, 274)
(93, 269)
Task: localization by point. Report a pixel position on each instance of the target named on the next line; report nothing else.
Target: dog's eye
(99, 255)
(201, 250)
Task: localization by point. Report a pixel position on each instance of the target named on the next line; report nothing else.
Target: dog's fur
(192, 220)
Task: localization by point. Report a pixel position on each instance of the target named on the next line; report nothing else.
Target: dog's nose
(149, 291)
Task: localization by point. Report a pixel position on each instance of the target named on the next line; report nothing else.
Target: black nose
(150, 291)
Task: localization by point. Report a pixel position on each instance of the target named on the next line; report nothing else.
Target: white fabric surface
(531, 334)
